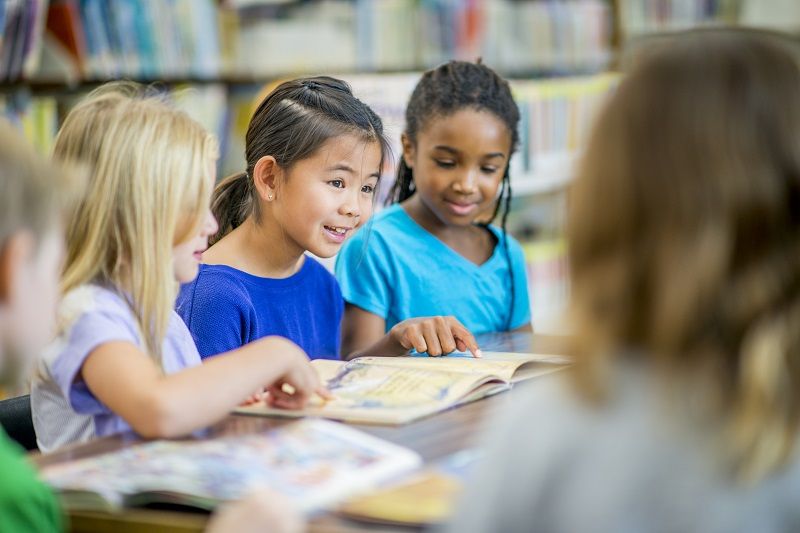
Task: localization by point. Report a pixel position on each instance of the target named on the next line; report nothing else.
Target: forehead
(353, 150)
(467, 130)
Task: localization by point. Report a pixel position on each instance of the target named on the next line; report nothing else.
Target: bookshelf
(213, 58)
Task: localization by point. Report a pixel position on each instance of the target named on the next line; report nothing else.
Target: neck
(268, 250)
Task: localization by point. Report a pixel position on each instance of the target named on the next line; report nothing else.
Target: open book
(398, 390)
(314, 463)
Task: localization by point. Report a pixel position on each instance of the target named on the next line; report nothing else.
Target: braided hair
(443, 91)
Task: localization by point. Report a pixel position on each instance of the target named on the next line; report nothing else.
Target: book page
(392, 394)
(313, 463)
(503, 365)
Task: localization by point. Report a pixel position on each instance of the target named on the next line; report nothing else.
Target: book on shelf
(423, 498)
(398, 390)
(642, 17)
(35, 116)
(21, 25)
(315, 464)
(143, 39)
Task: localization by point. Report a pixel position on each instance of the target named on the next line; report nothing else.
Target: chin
(187, 275)
(325, 252)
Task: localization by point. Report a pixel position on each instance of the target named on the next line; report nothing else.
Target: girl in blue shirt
(435, 252)
(314, 155)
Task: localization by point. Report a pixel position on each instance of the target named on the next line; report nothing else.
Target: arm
(156, 405)
(363, 334)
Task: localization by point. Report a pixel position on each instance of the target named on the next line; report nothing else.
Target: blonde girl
(122, 358)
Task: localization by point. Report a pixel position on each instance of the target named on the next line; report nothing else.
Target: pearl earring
(269, 197)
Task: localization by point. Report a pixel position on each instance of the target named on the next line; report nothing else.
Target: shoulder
(216, 284)
(93, 301)
(385, 225)
(385, 236)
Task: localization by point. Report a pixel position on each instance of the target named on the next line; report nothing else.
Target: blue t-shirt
(226, 308)
(396, 269)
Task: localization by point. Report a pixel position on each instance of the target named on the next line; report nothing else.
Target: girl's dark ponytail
(231, 203)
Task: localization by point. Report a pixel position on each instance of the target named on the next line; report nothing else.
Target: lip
(334, 236)
(460, 208)
(198, 254)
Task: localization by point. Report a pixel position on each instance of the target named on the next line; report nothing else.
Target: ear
(266, 174)
(14, 256)
(409, 150)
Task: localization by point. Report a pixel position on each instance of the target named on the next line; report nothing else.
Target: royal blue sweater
(226, 308)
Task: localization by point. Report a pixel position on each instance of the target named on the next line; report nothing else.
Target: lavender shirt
(64, 409)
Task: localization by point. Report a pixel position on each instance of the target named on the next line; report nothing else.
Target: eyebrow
(343, 167)
(456, 152)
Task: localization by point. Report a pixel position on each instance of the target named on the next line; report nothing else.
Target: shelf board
(49, 85)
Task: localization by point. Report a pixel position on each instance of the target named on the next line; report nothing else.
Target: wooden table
(433, 438)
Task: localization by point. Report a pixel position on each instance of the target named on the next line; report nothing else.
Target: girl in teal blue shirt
(435, 252)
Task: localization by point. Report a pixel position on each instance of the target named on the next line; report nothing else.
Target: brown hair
(684, 233)
(291, 124)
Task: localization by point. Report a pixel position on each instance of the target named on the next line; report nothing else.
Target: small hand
(298, 384)
(262, 510)
(435, 336)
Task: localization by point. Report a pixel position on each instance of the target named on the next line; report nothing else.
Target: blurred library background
(217, 58)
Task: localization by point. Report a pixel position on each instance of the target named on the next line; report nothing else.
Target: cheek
(366, 209)
(490, 187)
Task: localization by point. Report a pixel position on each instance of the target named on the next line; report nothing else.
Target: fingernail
(478, 353)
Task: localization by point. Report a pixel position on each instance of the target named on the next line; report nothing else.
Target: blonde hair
(684, 235)
(150, 182)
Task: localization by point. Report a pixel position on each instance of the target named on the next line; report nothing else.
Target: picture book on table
(313, 463)
(426, 497)
(398, 390)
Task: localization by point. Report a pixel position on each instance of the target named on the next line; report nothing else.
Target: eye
(442, 163)
(339, 184)
(489, 170)
(368, 189)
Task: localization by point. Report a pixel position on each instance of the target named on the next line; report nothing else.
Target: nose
(467, 184)
(210, 225)
(350, 207)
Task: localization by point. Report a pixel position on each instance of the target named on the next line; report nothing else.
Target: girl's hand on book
(258, 397)
(298, 383)
(438, 335)
(263, 510)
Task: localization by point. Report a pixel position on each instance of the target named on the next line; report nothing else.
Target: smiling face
(458, 163)
(323, 198)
